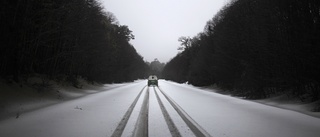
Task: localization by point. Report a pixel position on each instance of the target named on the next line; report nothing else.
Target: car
(153, 80)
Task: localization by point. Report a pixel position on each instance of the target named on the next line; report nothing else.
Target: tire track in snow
(172, 127)
(193, 125)
(141, 128)
(120, 128)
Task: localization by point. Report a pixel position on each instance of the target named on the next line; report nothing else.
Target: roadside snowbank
(16, 99)
(282, 101)
(279, 101)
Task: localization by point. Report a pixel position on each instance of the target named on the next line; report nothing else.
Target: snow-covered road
(170, 110)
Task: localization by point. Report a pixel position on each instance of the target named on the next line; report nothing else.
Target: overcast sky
(157, 24)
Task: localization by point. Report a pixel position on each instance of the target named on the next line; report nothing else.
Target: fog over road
(171, 109)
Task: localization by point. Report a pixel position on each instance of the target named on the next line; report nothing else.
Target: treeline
(156, 68)
(68, 38)
(255, 48)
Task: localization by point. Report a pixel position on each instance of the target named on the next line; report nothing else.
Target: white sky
(157, 24)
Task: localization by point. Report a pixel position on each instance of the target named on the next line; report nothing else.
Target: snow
(223, 115)
(93, 115)
(129, 129)
(16, 99)
(155, 116)
(282, 101)
(182, 127)
(96, 111)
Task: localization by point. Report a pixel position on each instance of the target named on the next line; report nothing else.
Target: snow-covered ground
(223, 115)
(16, 99)
(97, 112)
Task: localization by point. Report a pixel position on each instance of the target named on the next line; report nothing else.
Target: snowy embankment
(223, 115)
(17, 99)
(283, 101)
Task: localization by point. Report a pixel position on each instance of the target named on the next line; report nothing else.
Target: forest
(252, 48)
(255, 49)
(66, 39)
